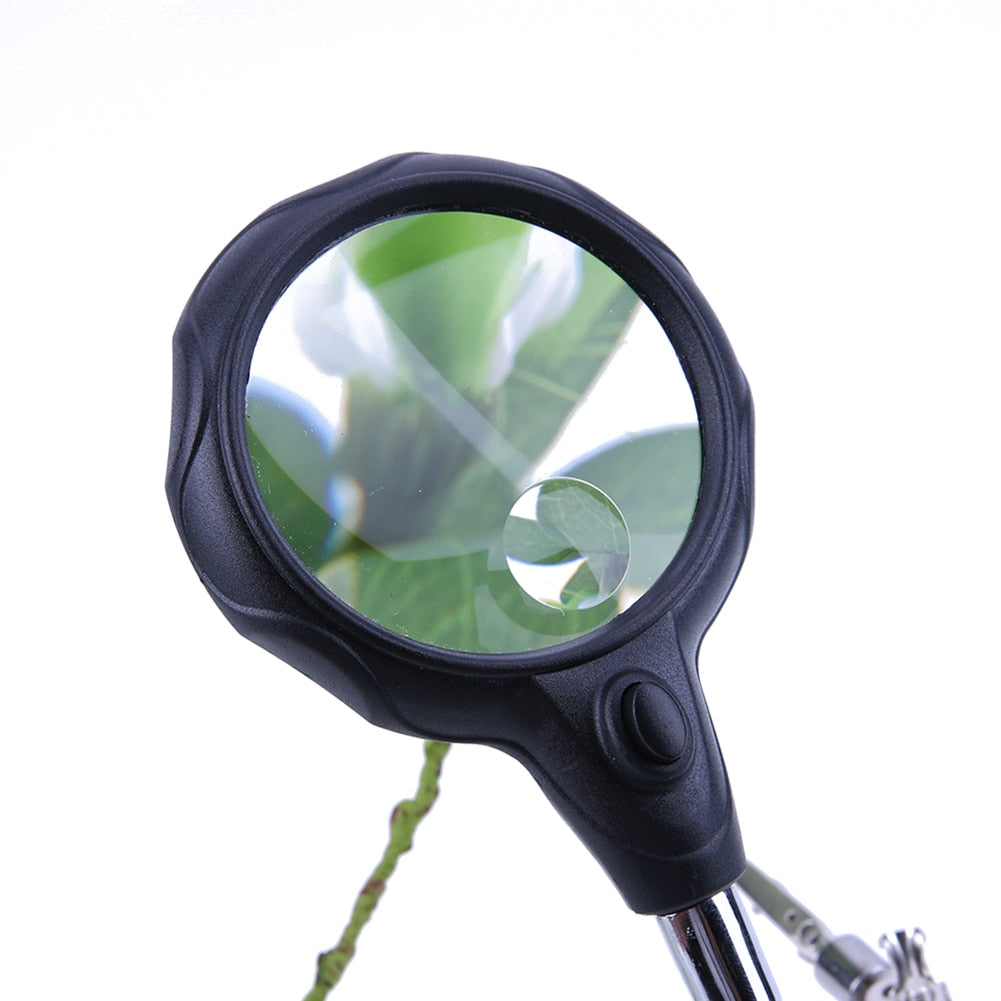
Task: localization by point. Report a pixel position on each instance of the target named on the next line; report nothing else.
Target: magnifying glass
(464, 443)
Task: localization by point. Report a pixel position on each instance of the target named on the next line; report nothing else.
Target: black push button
(654, 722)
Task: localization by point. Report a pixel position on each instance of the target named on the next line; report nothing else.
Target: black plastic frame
(667, 836)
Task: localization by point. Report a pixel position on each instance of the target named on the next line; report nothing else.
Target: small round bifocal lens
(473, 432)
(566, 544)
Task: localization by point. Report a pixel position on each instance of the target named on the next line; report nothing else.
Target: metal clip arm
(844, 965)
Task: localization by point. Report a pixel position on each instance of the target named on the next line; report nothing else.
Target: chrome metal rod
(717, 952)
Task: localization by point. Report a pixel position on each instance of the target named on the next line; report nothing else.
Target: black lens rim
(313, 221)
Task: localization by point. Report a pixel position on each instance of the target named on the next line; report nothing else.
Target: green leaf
(445, 279)
(582, 517)
(555, 366)
(653, 478)
(528, 541)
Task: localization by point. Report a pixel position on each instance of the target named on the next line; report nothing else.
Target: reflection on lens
(439, 399)
(566, 544)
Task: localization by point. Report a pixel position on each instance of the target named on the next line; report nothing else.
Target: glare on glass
(473, 432)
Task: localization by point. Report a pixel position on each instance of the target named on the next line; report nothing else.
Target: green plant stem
(330, 966)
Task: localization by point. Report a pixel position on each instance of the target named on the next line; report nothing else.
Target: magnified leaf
(578, 513)
(445, 279)
(526, 540)
(387, 591)
(653, 478)
(556, 364)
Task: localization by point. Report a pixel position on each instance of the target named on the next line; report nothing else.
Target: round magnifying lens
(473, 432)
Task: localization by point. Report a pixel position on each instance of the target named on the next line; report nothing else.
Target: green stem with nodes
(330, 966)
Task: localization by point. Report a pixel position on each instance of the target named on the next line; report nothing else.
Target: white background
(182, 815)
